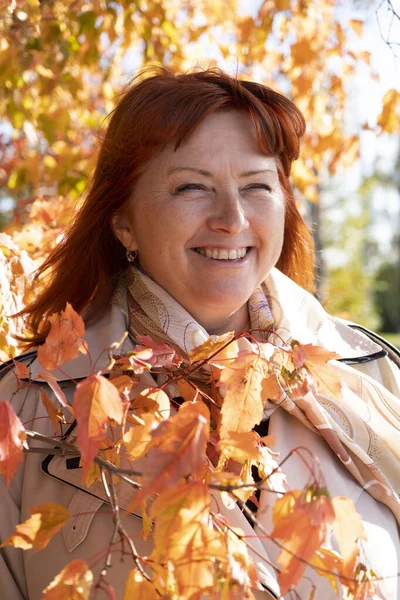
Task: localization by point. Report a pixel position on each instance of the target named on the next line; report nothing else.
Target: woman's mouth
(223, 253)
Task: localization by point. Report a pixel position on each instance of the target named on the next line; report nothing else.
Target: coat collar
(296, 312)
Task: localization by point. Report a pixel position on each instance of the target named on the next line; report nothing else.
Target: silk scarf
(362, 428)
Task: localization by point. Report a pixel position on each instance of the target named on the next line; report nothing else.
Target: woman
(189, 229)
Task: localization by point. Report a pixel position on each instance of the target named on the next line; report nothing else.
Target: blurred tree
(349, 281)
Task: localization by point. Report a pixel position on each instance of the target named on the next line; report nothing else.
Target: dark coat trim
(387, 349)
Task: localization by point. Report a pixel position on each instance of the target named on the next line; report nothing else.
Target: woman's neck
(237, 322)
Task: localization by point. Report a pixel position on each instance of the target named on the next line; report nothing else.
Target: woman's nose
(228, 213)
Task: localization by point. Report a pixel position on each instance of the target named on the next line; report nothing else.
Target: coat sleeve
(12, 572)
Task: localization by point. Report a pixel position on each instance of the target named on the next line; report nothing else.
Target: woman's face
(208, 220)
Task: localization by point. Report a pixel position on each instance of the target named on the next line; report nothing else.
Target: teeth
(222, 254)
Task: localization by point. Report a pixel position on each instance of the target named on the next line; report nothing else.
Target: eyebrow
(208, 174)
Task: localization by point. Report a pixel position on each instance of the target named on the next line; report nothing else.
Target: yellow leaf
(210, 346)
(348, 528)
(357, 26)
(152, 400)
(243, 403)
(74, 582)
(138, 588)
(389, 117)
(241, 446)
(41, 70)
(138, 437)
(36, 532)
(56, 415)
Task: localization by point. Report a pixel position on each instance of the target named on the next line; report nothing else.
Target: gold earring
(131, 255)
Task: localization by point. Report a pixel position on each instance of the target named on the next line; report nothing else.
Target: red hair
(157, 108)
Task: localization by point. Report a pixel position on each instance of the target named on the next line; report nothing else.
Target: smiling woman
(190, 229)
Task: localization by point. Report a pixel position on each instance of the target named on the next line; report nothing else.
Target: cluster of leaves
(202, 449)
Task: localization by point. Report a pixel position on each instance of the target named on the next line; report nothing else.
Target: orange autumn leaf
(139, 588)
(177, 450)
(243, 402)
(210, 347)
(138, 437)
(188, 390)
(315, 360)
(348, 528)
(357, 26)
(64, 340)
(74, 582)
(53, 384)
(327, 563)
(36, 532)
(22, 370)
(96, 400)
(109, 452)
(241, 446)
(56, 415)
(303, 530)
(12, 437)
(152, 400)
(184, 537)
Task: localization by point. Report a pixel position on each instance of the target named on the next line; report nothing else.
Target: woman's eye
(259, 186)
(188, 187)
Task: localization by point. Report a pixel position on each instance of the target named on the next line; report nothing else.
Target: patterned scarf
(363, 428)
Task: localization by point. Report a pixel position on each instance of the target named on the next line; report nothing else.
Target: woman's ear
(122, 229)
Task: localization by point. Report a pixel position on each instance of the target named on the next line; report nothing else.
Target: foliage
(386, 296)
(196, 552)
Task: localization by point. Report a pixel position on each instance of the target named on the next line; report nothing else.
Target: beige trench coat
(23, 575)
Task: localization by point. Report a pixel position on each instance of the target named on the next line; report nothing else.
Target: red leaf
(12, 436)
(64, 340)
(22, 370)
(96, 400)
(163, 355)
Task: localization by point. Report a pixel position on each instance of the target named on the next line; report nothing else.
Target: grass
(393, 338)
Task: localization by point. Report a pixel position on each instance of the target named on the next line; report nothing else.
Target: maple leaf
(163, 355)
(139, 588)
(109, 452)
(74, 582)
(22, 370)
(188, 390)
(210, 346)
(56, 415)
(348, 528)
(64, 340)
(183, 536)
(53, 384)
(327, 563)
(12, 437)
(241, 446)
(152, 400)
(177, 450)
(315, 359)
(138, 437)
(96, 400)
(36, 532)
(303, 525)
(137, 361)
(243, 403)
